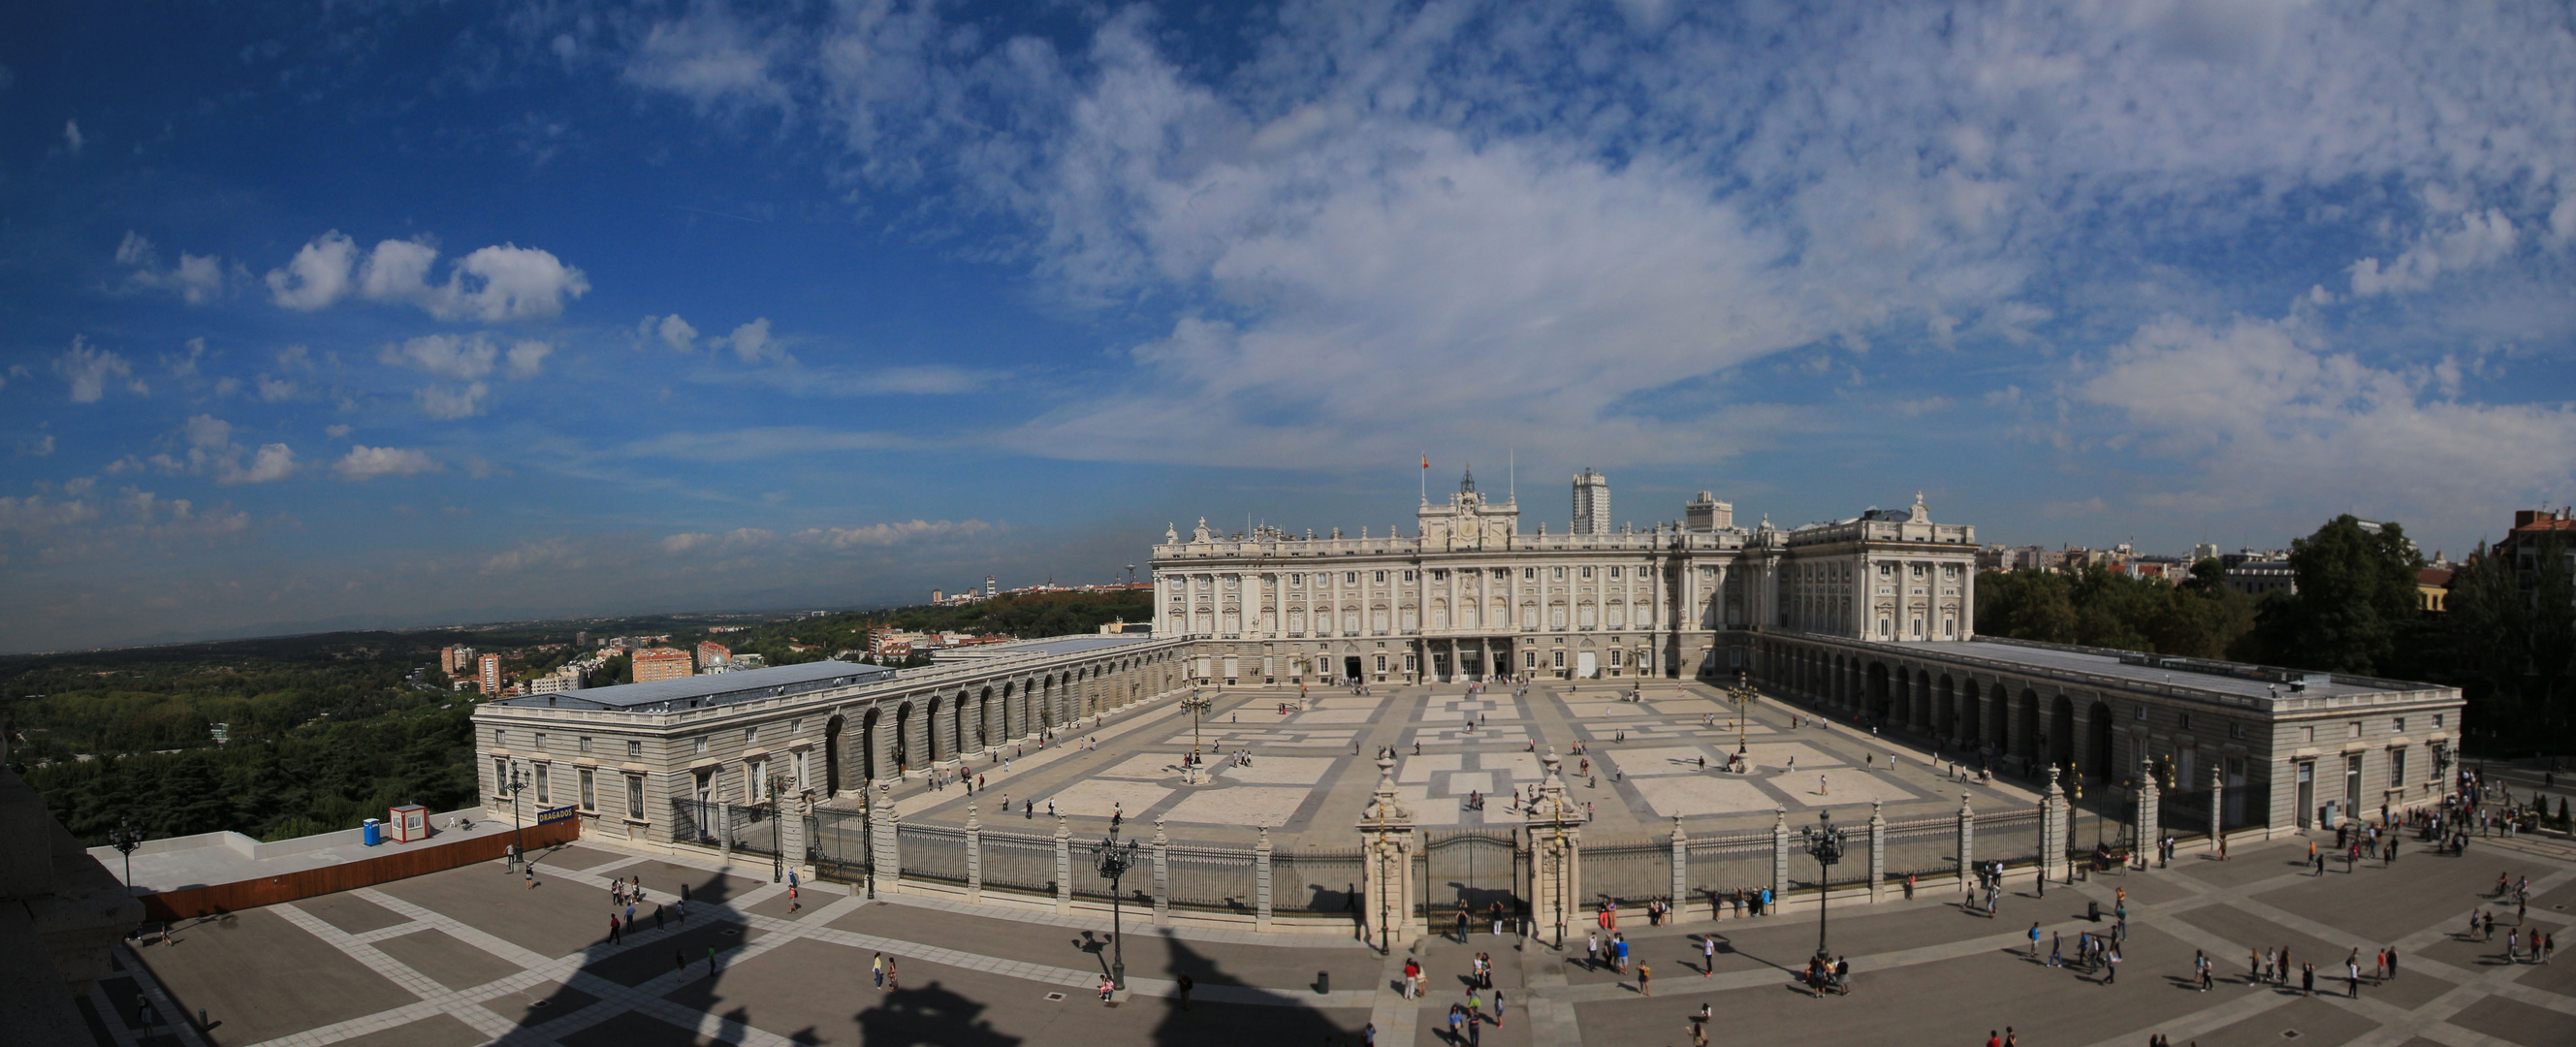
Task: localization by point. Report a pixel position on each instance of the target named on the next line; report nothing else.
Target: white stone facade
(1469, 595)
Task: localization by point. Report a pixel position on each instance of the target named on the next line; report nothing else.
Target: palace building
(1469, 595)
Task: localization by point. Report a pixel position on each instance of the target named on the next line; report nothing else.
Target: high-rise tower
(1591, 503)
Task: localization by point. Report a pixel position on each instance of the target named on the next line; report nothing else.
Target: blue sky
(385, 313)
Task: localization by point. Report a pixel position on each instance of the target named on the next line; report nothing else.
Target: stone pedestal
(1261, 882)
(1063, 866)
(974, 855)
(1967, 844)
(1779, 857)
(884, 858)
(1162, 875)
(2151, 836)
(2217, 809)
(1556, 848)
(2052, 828)
(1386, 864)
(1681, 871)
(1877, 851)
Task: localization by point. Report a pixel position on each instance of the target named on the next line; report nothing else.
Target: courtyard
(479, 954)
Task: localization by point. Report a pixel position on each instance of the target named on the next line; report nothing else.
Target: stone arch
(1945, 708)
(2026, 727)
(984, 714)
(1972, 720)
(2097, 750)
(870, 751)
(832, 756)
(904, 722)
(2061, 732)
(1876, 685)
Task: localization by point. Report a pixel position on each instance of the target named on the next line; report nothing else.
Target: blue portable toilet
(372, 833)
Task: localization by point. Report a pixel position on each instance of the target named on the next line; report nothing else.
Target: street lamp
(1114, 860)
(125, 838)
(1197, 705)
(1743, 694)
(1824, 843)
(517, 783)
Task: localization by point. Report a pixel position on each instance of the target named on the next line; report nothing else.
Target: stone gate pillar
(1681, 870)
(1162, 874)
(1779, 858)
(1063, 865)
(1386, 864)
(974, 855)
(2052, 828)
(1261, 882)
(1556, 851)
(791, 828)
(1877, 850)
(2217, 809)
(885, 857)
(2150, 817)
(1967, 843)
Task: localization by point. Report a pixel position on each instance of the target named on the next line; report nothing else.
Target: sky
(380, 314)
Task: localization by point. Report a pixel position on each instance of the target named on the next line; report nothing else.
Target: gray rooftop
(1083, 643)
(714, 689)
(2233, 679)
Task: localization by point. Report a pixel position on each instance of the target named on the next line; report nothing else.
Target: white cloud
(527, 357)
(751, 342)
(211, 451)
(367, 463)
(40, 447)
(335, 432)
(494, 284)
(276, 390)
(72, 136)
(317, 276)
(765, 442)
(448, 405)
(703, 543)
(197, 279)
(709, 57)
(88, 370)
(2481, 240)
(901, 532)
(672, 331)
(2265, 411)
(273, 462)
(462, 357)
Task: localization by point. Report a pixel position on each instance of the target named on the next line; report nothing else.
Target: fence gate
(836, 844)
(1478, 866)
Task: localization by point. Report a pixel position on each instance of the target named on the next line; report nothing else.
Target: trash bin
(1324, 983)
(372, 833)
(2093, 911)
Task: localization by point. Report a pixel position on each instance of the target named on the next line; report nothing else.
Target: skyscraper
(1591, 503)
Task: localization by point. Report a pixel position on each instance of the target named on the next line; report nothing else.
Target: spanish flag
(1426, 461)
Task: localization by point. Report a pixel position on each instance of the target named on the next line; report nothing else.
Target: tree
(2355, 599)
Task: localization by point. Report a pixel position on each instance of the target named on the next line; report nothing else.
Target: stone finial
(1965, 811)
(1265, 837)
(971, 823)
(1062, 826)
(1780, 818)
(1160, 837)
(2052, 781)
(1877, 811)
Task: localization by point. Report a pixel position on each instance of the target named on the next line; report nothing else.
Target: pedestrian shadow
(931, 1013)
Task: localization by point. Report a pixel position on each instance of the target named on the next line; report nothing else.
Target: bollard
(2093, 911)
(1323, 983)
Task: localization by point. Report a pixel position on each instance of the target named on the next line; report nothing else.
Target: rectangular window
(500, 737)
(1614, 657)
(585, 747)
(1614, 572)
(1529, 659)
(1381, 663)
(1558, 573)
(500, 775)
(589, 799)
(699, 744)
(2397, 768)
(2307, 736)
(544, 795)
(2138, 712)
(2236, 731)
(751, 735)
(1529, 574)
(2356, 729)
(1408, 663)
(755, 780)
(635, 749)
(2437, 721)
(1587, 572)
(800, 770)
(1500, 574)
(1350, 578)
(2183, 722)
(635, 796)
(1408, 576)
(1560, 659)
(1380, 577)
(2400, 726)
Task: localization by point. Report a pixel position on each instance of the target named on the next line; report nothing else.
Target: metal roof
(1082, 643)
(714, 689)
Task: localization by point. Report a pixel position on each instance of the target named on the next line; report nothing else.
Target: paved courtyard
(474, 955)
(1312, 767)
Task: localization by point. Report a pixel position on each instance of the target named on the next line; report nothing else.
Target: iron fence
(1628, 870)
(1720, 868)
(932, 852)
(752, 829)
(1315, 880)
(836, 844)
(2012, 839)
(1919, 847)
(1209, 877)
(1019, 862)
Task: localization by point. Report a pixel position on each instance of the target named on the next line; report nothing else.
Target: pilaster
(1063, 866)
(1967, 843)
(1386, 856)
(2052, 828)
(1779, 855)
(1681, 869)
(1261, 882)
(1877, 850)
(2150, 800)
(1162, 875)
(884, 844)
(974, 855)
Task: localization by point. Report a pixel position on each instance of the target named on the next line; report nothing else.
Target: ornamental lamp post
(125, 838)
(1114, 860)
(517, 783)
(1743, 694)
(1824, 843)
(1197, 705)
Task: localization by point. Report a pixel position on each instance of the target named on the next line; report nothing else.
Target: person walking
(1592, 950)
(1184, 983)
(2034, 939)
(1619, 945)
(2111, 966)
(1645, 979)
(2056, 949)
(1708, 953)
(2352, 975)
(877, 967)
(612, 928)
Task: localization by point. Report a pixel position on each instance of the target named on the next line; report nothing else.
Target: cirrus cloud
(368, 463)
